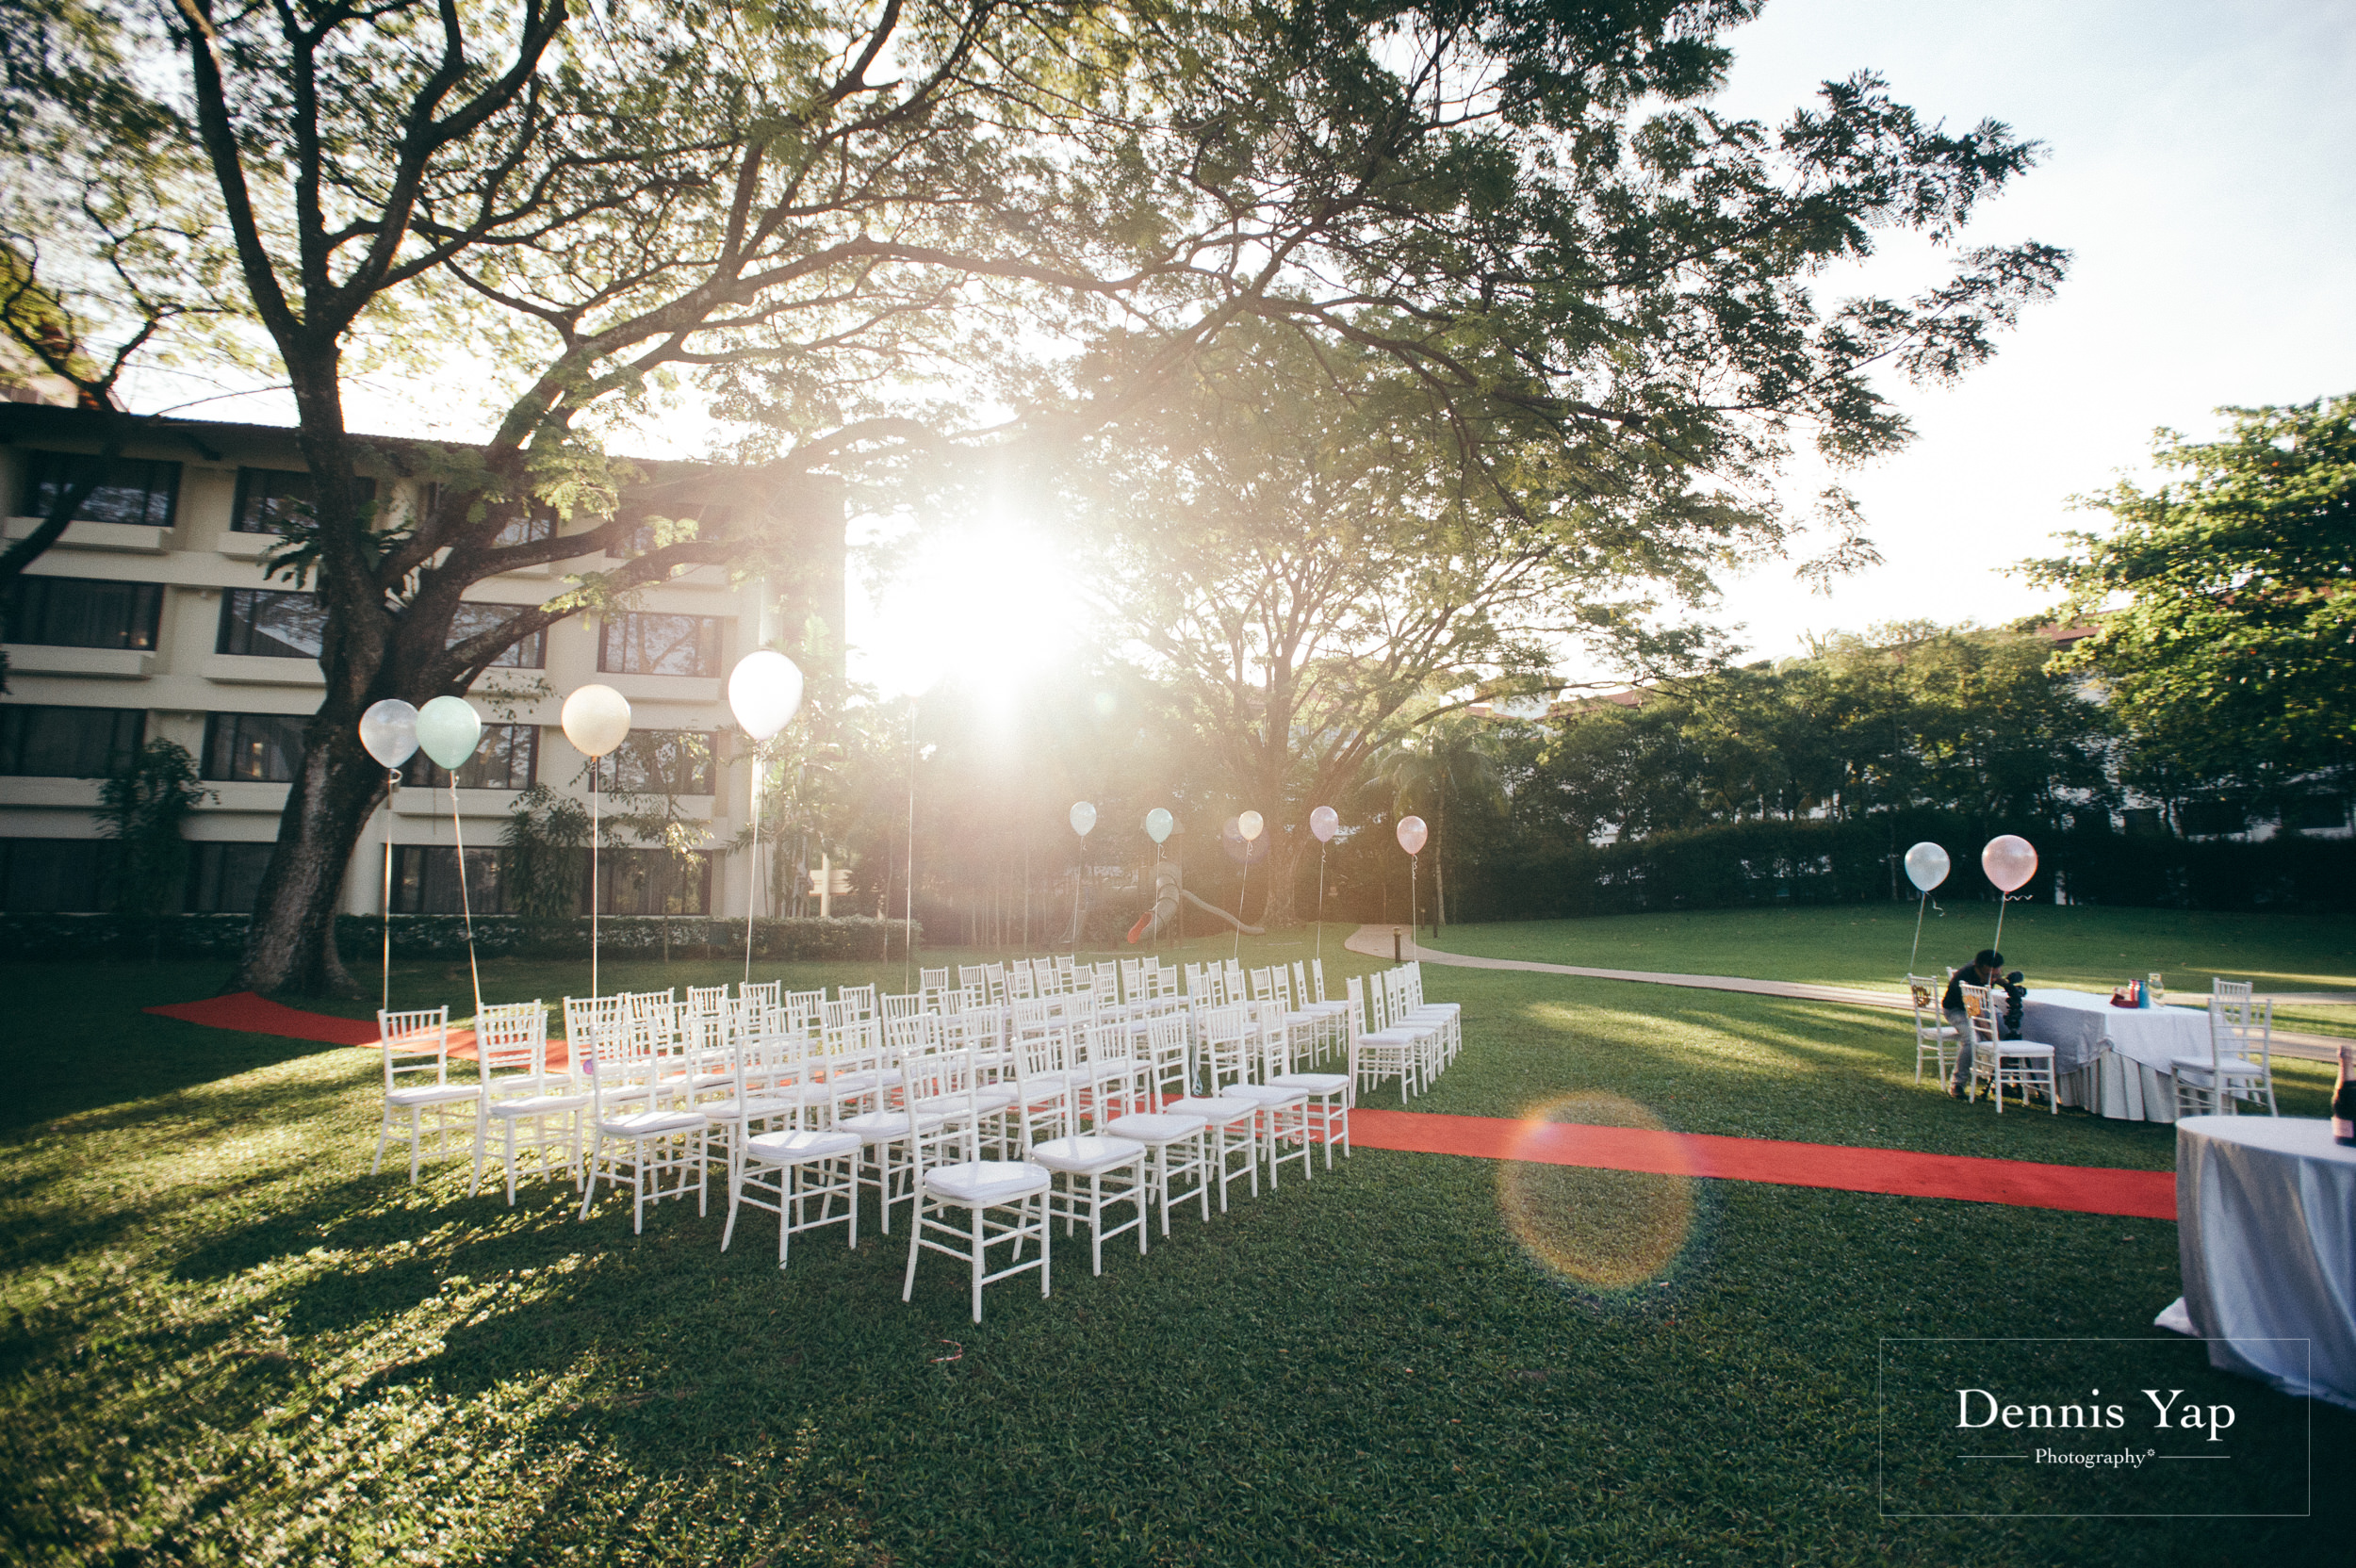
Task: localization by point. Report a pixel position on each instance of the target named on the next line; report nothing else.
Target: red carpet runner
(259, 1015)
(1902, 1173)
(1899, 1172)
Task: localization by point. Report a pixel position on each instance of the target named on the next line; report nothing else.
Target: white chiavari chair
(631, 1129)
(420, 1099)
(1004, 1201)
(537, 1110)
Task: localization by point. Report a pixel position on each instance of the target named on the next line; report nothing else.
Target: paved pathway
(1376, 941)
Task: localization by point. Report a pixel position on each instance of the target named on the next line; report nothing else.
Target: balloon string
(392, 788)
(465, 903)
(596, 766)
(1919, 910)
(1321, 905)
(752, 879)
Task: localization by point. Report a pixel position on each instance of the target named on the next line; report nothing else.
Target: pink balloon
(2009, 861)
(1325, 822)
(1411, 834)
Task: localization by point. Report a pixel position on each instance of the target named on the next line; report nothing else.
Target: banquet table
(2115, 1061)
(2266, 1214)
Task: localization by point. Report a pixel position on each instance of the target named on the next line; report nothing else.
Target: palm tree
(1452, 759)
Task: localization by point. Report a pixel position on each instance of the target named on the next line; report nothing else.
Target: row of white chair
(814, 1100)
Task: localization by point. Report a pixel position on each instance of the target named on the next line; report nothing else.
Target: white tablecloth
(2114, 1060)
(2265, 1217)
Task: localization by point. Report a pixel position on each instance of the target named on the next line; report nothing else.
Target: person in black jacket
(1983, 969)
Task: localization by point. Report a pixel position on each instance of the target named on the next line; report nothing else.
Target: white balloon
(2009, 861)
(1249, 825)
(1411, 834)
(389, 732)
(1926, 866)
(448, 729)
(1082, 818)
(764, 693)
(1325, 822)
(595, 720)
(1158, 824)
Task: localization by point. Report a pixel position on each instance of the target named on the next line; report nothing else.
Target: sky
(2198, 165)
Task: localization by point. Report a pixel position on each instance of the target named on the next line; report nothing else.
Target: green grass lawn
(1867, 945)
(227, 1343)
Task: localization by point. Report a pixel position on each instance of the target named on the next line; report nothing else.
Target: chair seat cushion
(742, 1106)
(883, 1126)
(1314, 1082)
(1265, 1094)
(1155, 1127)
(434, 1094)
(2231, 1067)
(984, 1101)
(800, 1148)
(650, 1124)
(1087, 1156)
(987, 1180)
(2020, 1048)
(1218, 1112)
(538, 1104)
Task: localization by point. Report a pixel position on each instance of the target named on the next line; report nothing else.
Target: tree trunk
(291, 942)
(1279, 904)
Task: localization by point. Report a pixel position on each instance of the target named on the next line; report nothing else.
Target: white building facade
(152, 618)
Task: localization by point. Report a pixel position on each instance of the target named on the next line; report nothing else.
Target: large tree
(824, 213)
(2225, 599)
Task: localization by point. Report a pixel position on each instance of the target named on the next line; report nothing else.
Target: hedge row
(361, 936)
(1818, 862)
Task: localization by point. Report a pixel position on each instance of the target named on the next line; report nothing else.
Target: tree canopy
(2226, 598)
(869, 231)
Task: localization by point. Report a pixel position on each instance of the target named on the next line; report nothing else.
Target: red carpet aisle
(258, 1015)
(1900, 1173)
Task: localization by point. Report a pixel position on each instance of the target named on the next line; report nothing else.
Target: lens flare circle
(1600, 1229)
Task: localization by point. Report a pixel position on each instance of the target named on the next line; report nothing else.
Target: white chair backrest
(861, 998)
(1356, 1016)
(1981, 1010)
(416, 1043)
(510, 1041)
(1317, 973)
(705, 998)
(760, 993)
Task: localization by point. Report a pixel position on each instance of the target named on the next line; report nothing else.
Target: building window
(84, 613)
(653, 882)
(56, 875)
(2312, 812)
(270, 624)
(68, 742)
(641, 643)
(472, 620)
(129, 489)
(425, 880)
(2202, 819)
(527, 530)
(664, 762)
(226, 879)
(507, 758)
(270, 499)
(254, 748)
(2141, 819)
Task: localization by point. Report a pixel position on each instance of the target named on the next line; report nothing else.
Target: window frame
(213, 772)
(226, 632)
(53, 470)
(423, 773)
(14, 720)
(626, 627)
(147, 607)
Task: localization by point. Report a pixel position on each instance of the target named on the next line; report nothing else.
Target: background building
(152, 618)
